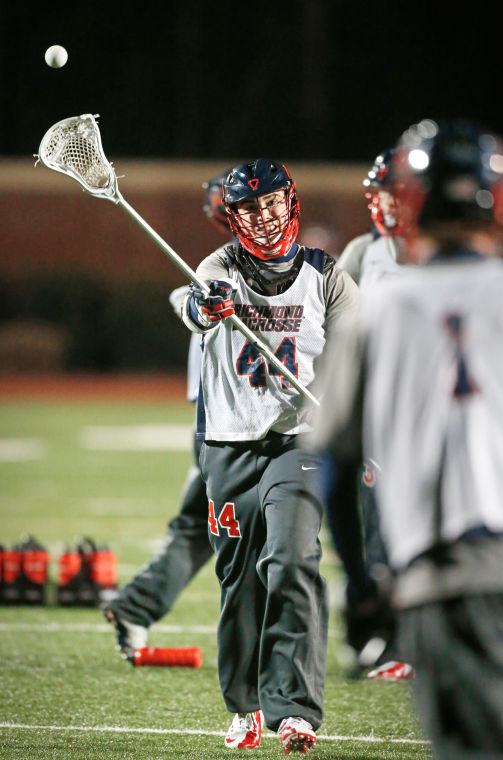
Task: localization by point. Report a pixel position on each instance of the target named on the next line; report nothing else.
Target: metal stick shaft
(186, 269)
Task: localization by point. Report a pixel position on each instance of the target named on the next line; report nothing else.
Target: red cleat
(245, 731)
(392, 671)
(296, 735)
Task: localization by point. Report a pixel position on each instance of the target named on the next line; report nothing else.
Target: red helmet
(266, 231)
(383, 206)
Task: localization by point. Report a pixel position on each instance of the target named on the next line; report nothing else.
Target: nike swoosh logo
(309, 468)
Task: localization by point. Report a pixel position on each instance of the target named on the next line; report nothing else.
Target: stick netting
(74, 146)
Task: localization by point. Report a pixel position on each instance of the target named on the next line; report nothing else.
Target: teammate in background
(151, 593)
(272, 633)
(367, 259)
(433, 334)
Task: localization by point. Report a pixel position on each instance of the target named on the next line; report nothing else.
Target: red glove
(206, 310)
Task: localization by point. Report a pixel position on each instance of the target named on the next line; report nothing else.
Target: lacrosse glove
(206, 310)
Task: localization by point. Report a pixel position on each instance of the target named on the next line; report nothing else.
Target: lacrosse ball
(56, 56)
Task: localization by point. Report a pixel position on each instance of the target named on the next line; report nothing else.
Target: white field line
(21, 449)
(101, 628)
(138, 438)
(198, 732)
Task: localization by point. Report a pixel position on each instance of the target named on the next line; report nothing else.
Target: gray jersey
(378, 260)
(350, 259)
(243, 397)
(425, 353)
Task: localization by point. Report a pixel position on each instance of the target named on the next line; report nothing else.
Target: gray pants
(153, 590)
(456, 647)
(375, 552)
(272, 633)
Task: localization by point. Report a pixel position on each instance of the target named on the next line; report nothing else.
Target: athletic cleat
(129, 635)
(245, 731)
(296, 735)
(392, 671)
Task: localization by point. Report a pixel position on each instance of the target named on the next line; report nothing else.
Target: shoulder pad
(230, 250)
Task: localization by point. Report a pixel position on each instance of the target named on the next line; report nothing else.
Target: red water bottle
(103, 568)
(12, 575)
(34, 571)
(69, 565)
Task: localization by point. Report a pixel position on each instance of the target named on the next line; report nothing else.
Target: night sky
(306, 80)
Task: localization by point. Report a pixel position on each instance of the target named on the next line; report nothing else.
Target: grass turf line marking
(101, 628)
(138, 438)
(21, 449)
(196, 732)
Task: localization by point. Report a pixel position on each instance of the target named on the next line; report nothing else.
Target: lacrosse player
(151, 593)
(272, 631)
(434, 334)
(367, 259)
(371, 255)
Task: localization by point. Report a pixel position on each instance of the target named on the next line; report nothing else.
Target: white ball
(56, 56)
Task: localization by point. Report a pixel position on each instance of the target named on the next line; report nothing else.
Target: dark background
(329, 80)
(185, 90)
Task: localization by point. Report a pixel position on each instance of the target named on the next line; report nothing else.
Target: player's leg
(294, 634)
(237, 534)
(375, 552)
(151, 593)
(455, 646)
(390, 665)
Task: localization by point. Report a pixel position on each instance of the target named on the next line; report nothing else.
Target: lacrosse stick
(73, 147)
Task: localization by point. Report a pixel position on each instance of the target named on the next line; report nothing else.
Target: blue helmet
(251, 181)
(449, 172)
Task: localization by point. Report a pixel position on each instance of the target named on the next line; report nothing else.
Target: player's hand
(215, 306)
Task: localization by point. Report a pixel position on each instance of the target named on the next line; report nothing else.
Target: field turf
(65, 693)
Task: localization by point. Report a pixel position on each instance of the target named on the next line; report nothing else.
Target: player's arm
(339, 384)
(201, 312)
(337, 439)
(336, 433)
(177, 298)
(342, 297)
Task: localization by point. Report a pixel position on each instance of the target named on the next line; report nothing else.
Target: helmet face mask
(385, 212)
(262, 208)
(383, 204)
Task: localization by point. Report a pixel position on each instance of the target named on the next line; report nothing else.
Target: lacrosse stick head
(73, 147)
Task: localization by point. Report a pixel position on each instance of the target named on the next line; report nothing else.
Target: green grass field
(64, 691)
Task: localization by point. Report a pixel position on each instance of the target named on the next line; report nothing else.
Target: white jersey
(428, 344)
(243, 397)
(194, 366)
(378, 260)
